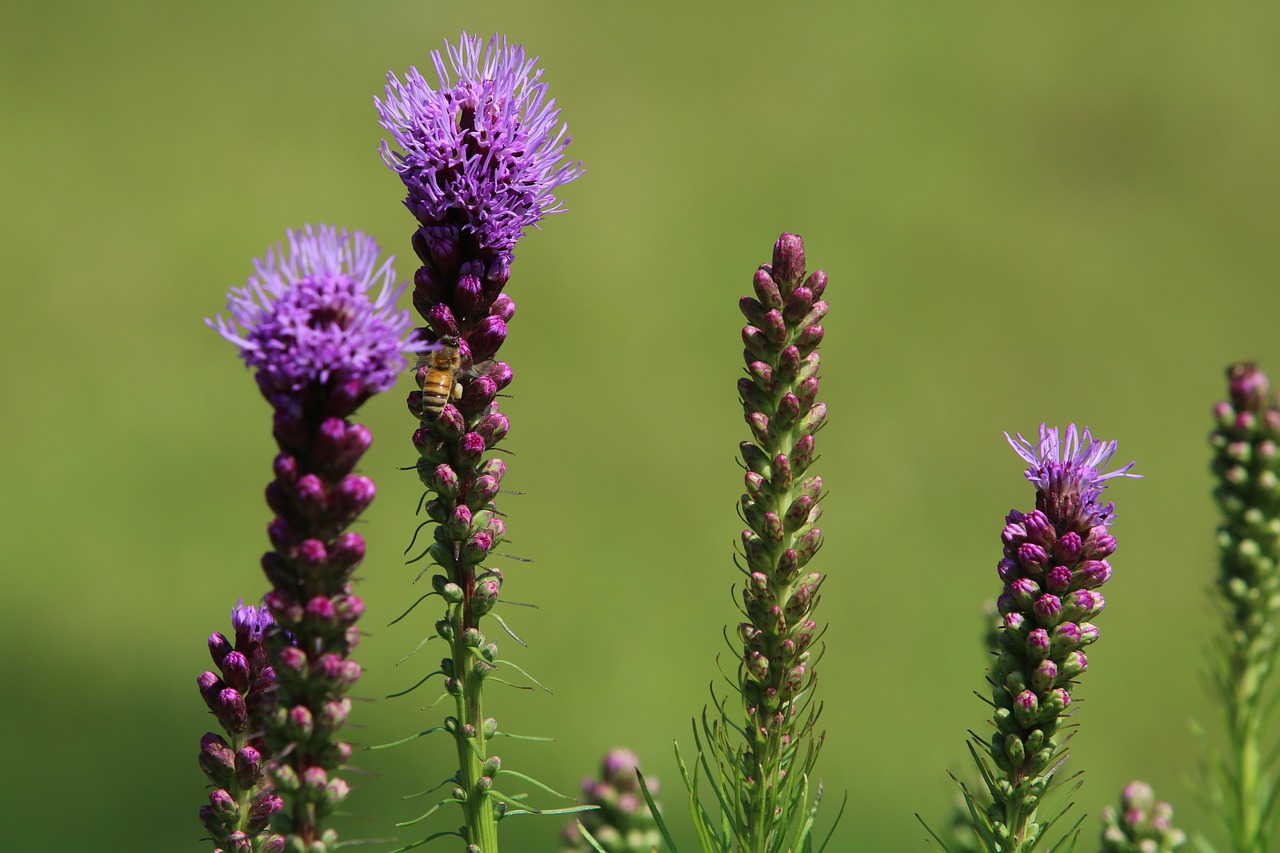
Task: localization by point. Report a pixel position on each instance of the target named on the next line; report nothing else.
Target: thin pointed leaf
(526, 675)
(595, 845)
(534, 738)
(507, 628)
(411, 607)
(553, 792)
(416, 686)
(429, 812)
(653, 810)
(422, 733)
(428, 840)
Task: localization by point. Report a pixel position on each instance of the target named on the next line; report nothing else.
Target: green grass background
(1028, 212)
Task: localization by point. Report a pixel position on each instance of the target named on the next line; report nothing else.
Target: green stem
(481, 816)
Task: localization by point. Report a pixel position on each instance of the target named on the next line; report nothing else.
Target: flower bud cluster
(1055, 561)
(314, 301)
(1246, 445)
(1141, 824)
(240, 695)
(622, 821)
(781, 508)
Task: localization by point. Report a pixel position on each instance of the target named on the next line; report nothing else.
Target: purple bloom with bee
(481, 154)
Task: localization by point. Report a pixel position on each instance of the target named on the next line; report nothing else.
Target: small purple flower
(308, 320)
(1070, 475)
(481, 148)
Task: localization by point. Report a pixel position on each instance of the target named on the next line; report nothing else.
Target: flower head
(250, 622)
(1070, 476)
(483, 147)
(305, 321)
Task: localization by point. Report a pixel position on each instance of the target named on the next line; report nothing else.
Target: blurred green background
(1027, 212)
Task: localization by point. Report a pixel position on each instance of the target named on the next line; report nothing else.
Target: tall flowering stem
(480, 155)
(1055, 561)
(1247, 465)
(766, 749)
(240, 695)
(320, 344)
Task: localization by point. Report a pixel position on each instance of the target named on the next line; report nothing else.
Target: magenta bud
(320, 610)
(755, 459)
(1068, 548)
(477, 547)
(797, 514)
(335, 792)
(264, 806)
(248, 764)
(487, 338)
(1024, 592)
(1098, 544)
(809, 338)
(802, 453)
(796, 304)
(1008, 569)
(458, 524)
(486, 596)
(353, 494)
(239, 842)
(494, 428)
(752, 310)
(1064, 638)
(1032, 557)
(231, 711)
(1026, 707)
(224, 806)
(1045, 675)
(219, 646)
(788, 260)
(774, 328)
(1083, 604)
(1055, 702)
(442, 321)
(333, 714)
(1038, 645)
(756, 342)
(471, 449)
(293, 659)
(1048, 609)
(478, 396)
(788, 411)
(450, 423)
(217, 760)
(347, 551)
(1039, 528)
(311, 556)
(1094, 573)
(813, 419)
(482, 491)
(299, 725)
(467, 295)
(348, 609)
(504, 308)
(1074, 664)
(309, 495)
(1057, 579)
(235, 671)
(766, 289)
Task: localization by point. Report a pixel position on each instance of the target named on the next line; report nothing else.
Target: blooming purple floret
(484, 147)
(1069, 476)
(250, 622)
(307, 319)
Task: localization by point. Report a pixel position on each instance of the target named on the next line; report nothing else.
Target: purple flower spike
(241, 696)
(317, 323)
(1052, 565)
(481, 153)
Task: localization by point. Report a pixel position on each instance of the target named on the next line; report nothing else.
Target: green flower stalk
(1247, 465)
(1055, 561)
(621, 821)
(766, 750)
(1141, 824)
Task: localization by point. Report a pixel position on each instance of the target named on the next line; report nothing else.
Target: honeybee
(439, 380)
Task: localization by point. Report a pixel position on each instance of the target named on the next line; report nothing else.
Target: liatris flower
(1247, 465)
(1141, 825)
(764, 778)
(240, 695)
(622, 821)
(480, 157)
(1055, 560)
(320, 346)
